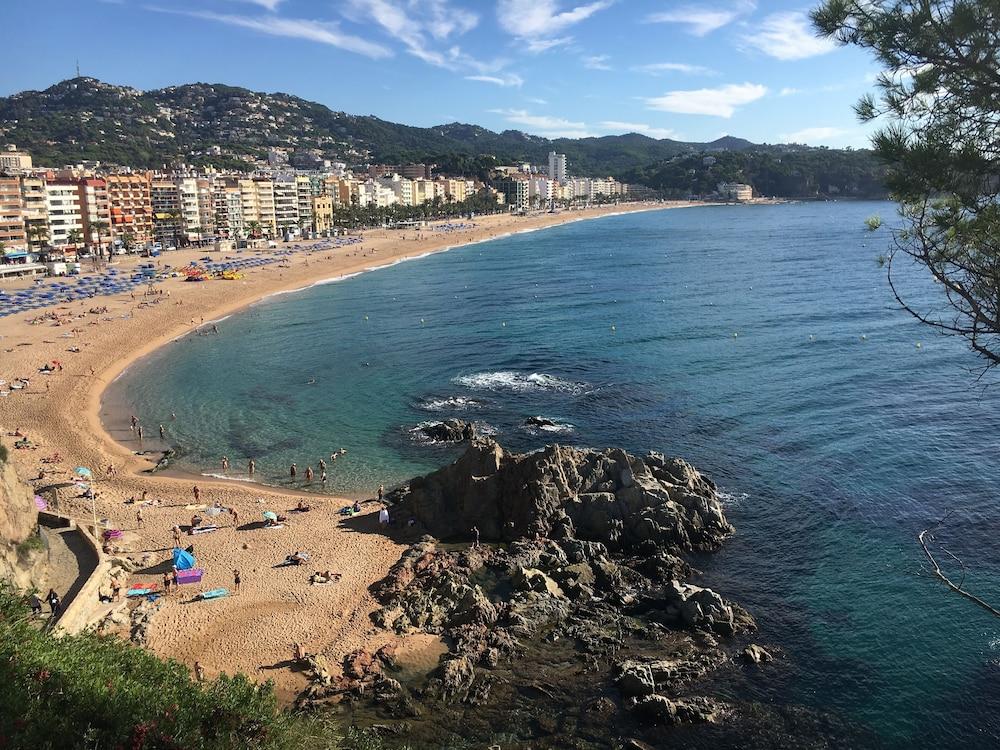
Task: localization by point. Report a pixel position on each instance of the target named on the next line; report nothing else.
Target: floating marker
(613, 328)
(421, 321)
(504, 324)
(863, 337)
(366, 317)
(919, 345)
(811, 337)
(735, 334)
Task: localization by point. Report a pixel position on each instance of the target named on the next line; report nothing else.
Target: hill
(229, 127)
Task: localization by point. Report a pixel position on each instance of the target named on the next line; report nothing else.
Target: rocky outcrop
(21, 561)
(448, 431)
(562, 492)
(540, 422)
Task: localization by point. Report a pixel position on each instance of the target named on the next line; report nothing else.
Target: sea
(761, 343)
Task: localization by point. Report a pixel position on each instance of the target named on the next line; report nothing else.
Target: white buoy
(421, 321)
(613, 328)
(366, 317)
(505, 324)
(863, 337)
(811, 337)
(919, 345)
(735, 334)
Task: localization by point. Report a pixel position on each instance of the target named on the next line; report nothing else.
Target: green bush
(29, 545)
(89, 691)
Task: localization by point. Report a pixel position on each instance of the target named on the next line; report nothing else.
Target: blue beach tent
(183, 560)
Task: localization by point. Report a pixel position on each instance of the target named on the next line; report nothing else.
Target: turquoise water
(834, 435)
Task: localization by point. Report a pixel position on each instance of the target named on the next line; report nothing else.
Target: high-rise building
(96, 211)
(65, 218)
(557, 166)
(286, 204)
(12, 231)
(322, 213)
(130, 206)
(168, 225)
(35, 204)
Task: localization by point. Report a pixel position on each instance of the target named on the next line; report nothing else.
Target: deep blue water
(761, 343)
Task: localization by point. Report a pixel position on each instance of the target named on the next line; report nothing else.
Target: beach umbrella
(270, 515)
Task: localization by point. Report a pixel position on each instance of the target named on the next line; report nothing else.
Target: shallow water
(836, 438)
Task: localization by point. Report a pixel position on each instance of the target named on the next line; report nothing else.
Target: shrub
(90, 691)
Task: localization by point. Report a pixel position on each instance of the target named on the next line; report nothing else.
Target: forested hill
(229, 127)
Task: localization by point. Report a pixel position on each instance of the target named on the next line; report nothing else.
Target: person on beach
(138, 431)
(236, 518)
(166, 582)
(309, 473)
(383, 517)
(475, 536)
(116, 589)
(322, 465)
(381, 492)
(134, 421)
(199, 672)
(177, 536)
(225, 463)
(163, 433)
(292, 471)
(356, 508)
(300, 652)
(139, 520)
(236, 581)
(322, 476)
(251, 467)
(197, 493)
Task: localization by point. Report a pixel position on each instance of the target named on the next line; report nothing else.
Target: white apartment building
(265, 206)
(63, 208)
(286, 204)
(12, 160)
(304, 187)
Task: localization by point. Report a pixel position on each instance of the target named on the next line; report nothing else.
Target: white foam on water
(451, 402)
(226, 476)
(518, 382)
(732, 498)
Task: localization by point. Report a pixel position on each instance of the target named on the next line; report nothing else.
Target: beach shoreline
(62, 413)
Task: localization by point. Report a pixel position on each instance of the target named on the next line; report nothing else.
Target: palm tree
(74, 237)
(38, 233)
(253, 227)
(128, 240)
(99, 227)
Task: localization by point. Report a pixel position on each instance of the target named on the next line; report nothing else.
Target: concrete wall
(86, 606)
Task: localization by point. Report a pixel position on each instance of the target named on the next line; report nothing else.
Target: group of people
(51, 598)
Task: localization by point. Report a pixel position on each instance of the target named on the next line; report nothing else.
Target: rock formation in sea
(579, 563)
(448, 431)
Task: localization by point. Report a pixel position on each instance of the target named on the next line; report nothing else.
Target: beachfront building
(228, 205)
(35, 204)
(557, 166)
(265, 206)
(14, 161)
(64, 217)
(167, 216)
(206, 206)
(541, 191)
(455, 191)
(735, 191)
(286, 204)
(322, 213)
(130, 207)
(95, 209)
(13, 235)
(304, 187)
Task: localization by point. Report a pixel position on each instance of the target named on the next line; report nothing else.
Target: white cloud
(789, 91)
(323, 32)
(718, 102)
(545, 125)
(539, 22)
(671, 67)
(597, 62)
(271, 5)
(788, 36)
(503, 79)
(702, 20)
(638, 127)
(813, 135)
(536, 100)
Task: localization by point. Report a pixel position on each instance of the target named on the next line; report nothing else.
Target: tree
(253, 227)
(98, 228)
(38, 233)
(74, 237)
(940, 91)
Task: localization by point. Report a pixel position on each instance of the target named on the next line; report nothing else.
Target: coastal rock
(563, 492)
(693, 710)
(695, 607)
(531, 579)
(448, 431)
(539, 422)
(635, 679)
(754, 654)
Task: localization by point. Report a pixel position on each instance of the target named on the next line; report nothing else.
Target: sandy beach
(252, 631)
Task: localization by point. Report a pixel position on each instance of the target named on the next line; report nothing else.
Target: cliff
(21, 561)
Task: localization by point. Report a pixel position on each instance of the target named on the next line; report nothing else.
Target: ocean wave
(451, 402)
(731, 498)
(227, 477)
(519, 382)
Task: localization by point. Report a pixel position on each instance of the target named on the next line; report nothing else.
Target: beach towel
(113, 534)
(195, 507)
(142, 590)
(194, 575)
(204, 529)
(213, 594)
(183, 560)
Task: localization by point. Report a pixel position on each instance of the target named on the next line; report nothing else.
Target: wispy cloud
(821, 135)
(617, 126)
(271, 5)
(324, 32)
(788, 36)
(672, 67)
(597, 62)
(427, 31)
(718, 102)
(539, 23)
(701, 20)
(545, 125)
(503, 79)
(789, 91)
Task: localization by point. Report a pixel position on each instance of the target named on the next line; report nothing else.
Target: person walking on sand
(166, 582)
(236, 518)
(197, 493)
(236, 581)
(199, 672)
(177, 536)
(251, 467)
(139, 520)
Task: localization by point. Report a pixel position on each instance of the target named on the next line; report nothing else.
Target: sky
(690, 70)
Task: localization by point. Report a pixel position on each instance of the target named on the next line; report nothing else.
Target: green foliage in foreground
(91, 691)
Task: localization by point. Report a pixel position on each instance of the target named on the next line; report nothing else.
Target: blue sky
(667, 68)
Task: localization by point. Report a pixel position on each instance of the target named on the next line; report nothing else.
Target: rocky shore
(558, 582)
